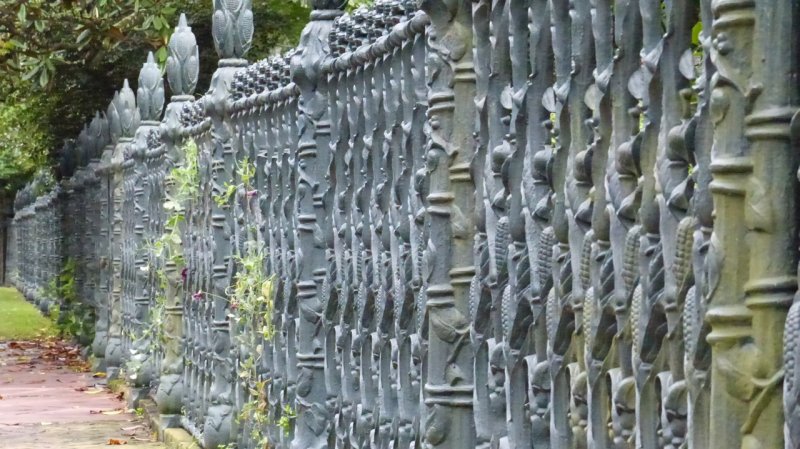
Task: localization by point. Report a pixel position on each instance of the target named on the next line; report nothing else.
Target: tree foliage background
(61, 60)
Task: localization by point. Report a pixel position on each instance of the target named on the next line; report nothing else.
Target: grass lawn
(19, 320)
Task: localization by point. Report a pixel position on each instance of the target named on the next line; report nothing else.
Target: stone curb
(174, 437)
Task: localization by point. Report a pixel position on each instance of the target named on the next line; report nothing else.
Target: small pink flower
(251, 193)
(234, 305)
(197, 296)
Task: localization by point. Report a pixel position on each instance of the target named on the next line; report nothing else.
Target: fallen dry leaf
(134, 432)
(115, 411)
(116, 442)
(106, 412)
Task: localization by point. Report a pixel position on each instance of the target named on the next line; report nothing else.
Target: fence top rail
(354, 41)
(194, 119)
(342, 60)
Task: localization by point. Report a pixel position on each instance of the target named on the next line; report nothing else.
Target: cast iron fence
(507, 223)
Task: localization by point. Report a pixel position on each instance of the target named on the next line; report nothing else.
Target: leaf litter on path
(55, 364)
(49, 350)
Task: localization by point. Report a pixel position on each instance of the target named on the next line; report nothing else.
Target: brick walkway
(48, 399)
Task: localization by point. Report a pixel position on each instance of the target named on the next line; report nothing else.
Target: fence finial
(232, 28)
(183, 61)
(98, 132)
(114, 128)
(125, 103)
(150, 94)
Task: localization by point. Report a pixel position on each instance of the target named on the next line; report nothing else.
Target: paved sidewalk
(49, 399)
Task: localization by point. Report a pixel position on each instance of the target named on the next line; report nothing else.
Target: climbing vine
(182, 188)
(73, 318)
(252, 294)
(252, 308)
(247, 172)
(251, 301)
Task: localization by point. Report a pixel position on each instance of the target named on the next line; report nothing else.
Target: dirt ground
(50, 399)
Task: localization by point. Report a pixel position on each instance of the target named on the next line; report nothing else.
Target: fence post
(313, 208)
(451, 213)
(105, 171)
(232, 33)
(99, 236)
(150, 103)
(770, 214)
(727, 260)
(182, 72)
(91, 233)
(123, 119)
